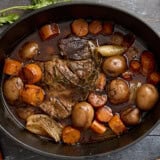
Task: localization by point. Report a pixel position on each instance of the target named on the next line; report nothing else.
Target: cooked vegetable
(100, 81)
(12, 88)
(104, 114)
(110, 50)
(117, 125)
(127, 75)
(95, 27)
(135, 66)
(114, 66)
(12, 67)
(153, 78)
(131, 116)
(44, 125)
(97, 99)
(117, 38)
(49, 30)
(128, 40)
(29, 50)
(32, 94)
(146, 97)
(82, 115)
(32, 73)
(79, 27)
(70, 135)
(98, 127)
(108, 28)
(118, 91)
(147, 63)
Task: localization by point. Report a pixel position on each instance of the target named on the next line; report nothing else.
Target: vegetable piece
(97, 99)
(114, 66)
(32, 94)
(117, 125)
(82, 115)
(118, 91)
(12, 67)
(110, 50)
(147, 62)
(70, 135)
(128, 40)
(32, 73)
(134, 65)
(146, 97)
(104, 114)
(95, 27)
(98, 127)
(131, 116)
(100, 81)
(108, 28)
(153, 78)
(79, 27)
(29, 50)
(12, 88)
(49, 30)
(127, 75)
(44, 125)
(117, 38)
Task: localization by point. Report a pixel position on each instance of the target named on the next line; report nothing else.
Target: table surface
(146, 149)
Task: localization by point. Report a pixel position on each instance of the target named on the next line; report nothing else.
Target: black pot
(63, 12)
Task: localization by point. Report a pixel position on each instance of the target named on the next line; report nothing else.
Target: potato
(12, 88)
(118, 91)
(114, 66)
(146, 97)
(82, 115)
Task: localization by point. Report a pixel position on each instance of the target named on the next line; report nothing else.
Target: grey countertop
(146, 149)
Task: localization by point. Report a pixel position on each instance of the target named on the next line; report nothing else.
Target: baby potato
(114, 66)
(82, 115)
(146, 97)
(118, 91)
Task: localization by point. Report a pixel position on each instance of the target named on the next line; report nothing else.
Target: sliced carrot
(98, 127)
(12, 67)
(32, 73)
(104, 114)
(95, 27)
(153, 78)
(32, 94)
(116, 125)
(101, 81)
(108, 28)
(70, 135)
(49, 30)
(135, 66)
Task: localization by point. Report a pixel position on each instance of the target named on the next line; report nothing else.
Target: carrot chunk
(95, 27)
(70, 135)
(153, 78)
(108, 28)
(135, 66)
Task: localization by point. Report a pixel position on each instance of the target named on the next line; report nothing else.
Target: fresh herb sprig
(9, 18)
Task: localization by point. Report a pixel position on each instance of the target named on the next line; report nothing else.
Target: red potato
(49, 30)
(95, 27)
(147, 63)
(108, 28)
(153, 78)
(117, 125)
(101, 81)
(12, 67)
(79, 27)
(97, 99)
(135, 66)
(70, 135)
(98, 127)
(104, 114)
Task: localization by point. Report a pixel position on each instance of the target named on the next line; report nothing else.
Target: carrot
(32, 73)
(116, 125)
(135, 66)
(153, 78)
(108, 28)
(97, 99)
(80, 27)
(104, 114)
(101, 81)
(98, 127)
(127, 75)
(49, 30)
(12, 67)
(70, 135)
(95, 27)
(32, 94)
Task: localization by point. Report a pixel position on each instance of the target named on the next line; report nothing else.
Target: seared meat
(75, 48)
